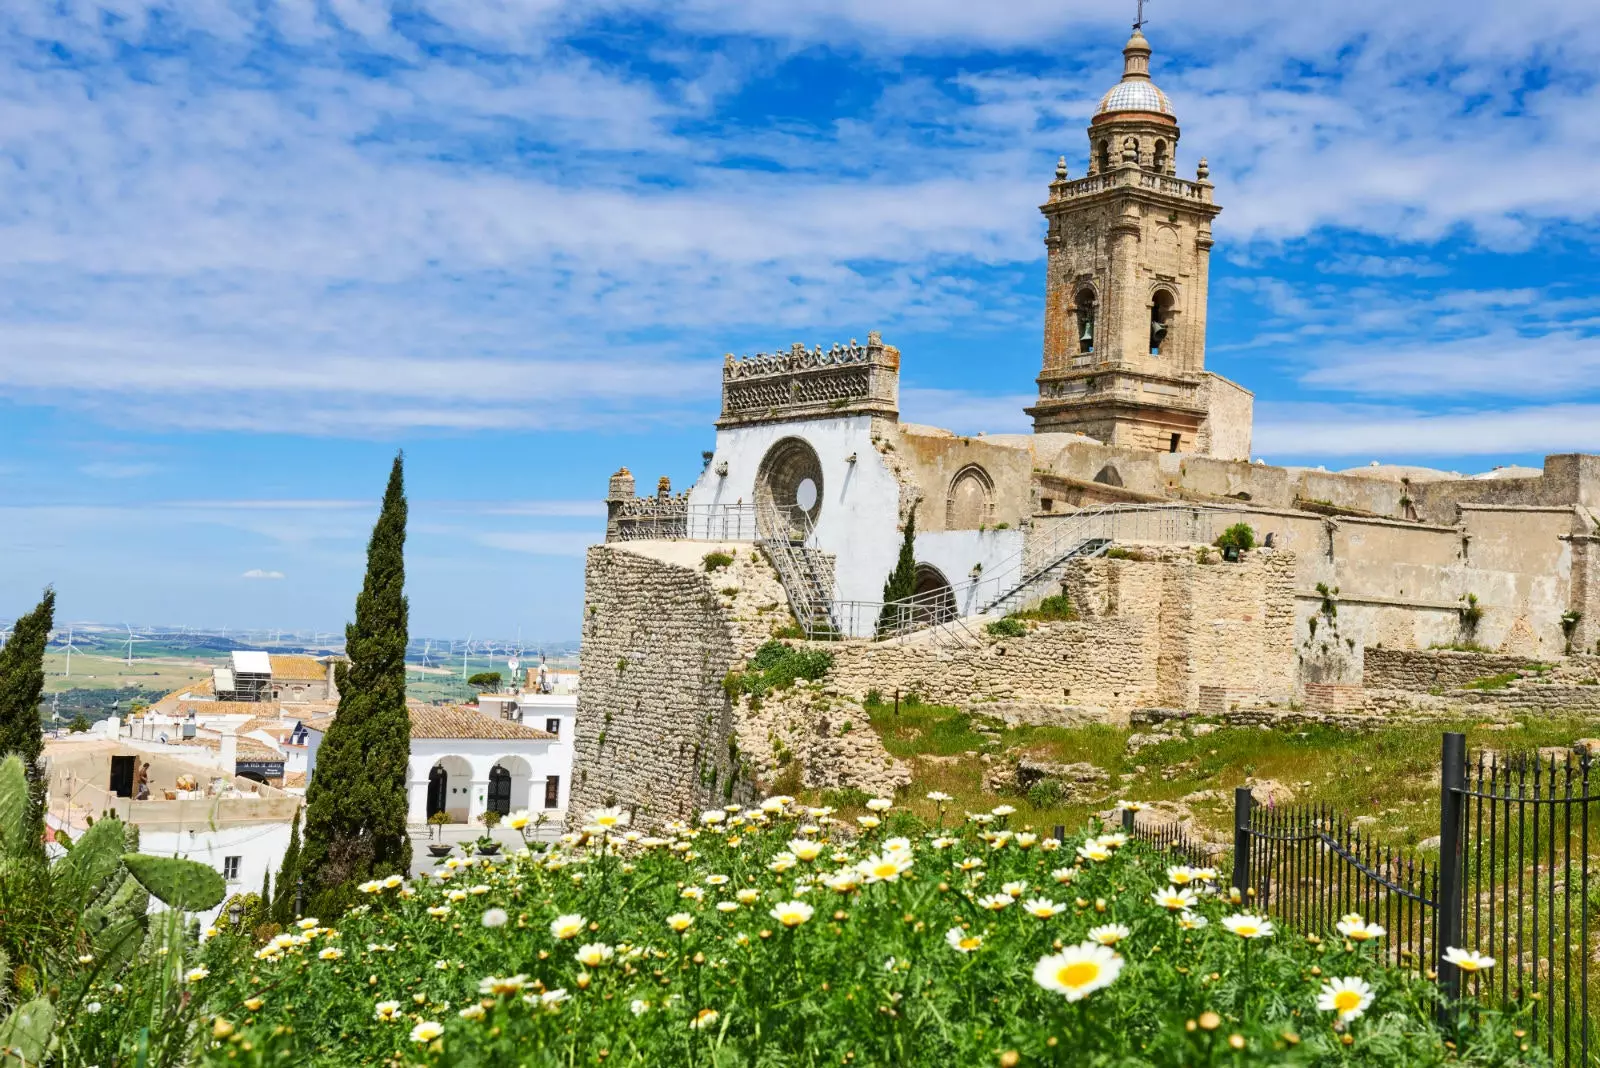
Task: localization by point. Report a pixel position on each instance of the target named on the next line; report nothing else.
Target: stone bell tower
(1125, 294)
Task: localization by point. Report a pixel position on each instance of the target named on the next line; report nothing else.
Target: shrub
(1046, 793)
(1054, 609)
(1240, 536)
(874, 698)
(1118, 552)
(776, 666)
(1009, 627)
(716, 561)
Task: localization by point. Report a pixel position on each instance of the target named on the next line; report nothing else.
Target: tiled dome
(1135, 94)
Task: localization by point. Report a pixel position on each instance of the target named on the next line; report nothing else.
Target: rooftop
(297, 667)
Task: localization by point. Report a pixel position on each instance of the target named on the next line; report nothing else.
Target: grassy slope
(1387, 774)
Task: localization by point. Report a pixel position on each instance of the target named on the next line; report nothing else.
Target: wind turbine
(465, 651)
(128, 643)
(70, 648)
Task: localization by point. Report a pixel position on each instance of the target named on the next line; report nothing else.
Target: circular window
(789, 488)
(805, 494)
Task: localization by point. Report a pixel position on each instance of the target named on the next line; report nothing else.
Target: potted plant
(436, 847)
(486, 843)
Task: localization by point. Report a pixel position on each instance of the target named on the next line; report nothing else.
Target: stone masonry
(660, 634)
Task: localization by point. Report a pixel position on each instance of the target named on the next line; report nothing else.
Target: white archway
(453, 776)
(520, 775)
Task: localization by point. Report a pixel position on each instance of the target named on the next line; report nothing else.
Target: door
(500, 790)
(122, 775)
(552, 791)
(438, 787)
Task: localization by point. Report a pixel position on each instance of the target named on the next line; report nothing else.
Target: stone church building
(1135, 446)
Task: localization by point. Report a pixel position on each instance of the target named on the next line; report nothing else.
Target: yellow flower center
(1078, 974)
(1347, 1000)
(1246, 929)
(1467, 965)
(971, 943)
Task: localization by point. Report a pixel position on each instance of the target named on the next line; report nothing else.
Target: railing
(788, 537)
(1514, 853)
(1127, 177)
(1089, 533)
(697, 522)
(1172, 838)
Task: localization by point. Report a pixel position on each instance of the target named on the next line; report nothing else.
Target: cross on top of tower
(1138, 23)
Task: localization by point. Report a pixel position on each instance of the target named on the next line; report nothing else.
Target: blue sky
(248, 249)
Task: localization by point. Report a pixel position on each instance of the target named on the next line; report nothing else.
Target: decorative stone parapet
(812, 384)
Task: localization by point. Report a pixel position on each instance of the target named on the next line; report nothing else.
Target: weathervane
(1139, 23)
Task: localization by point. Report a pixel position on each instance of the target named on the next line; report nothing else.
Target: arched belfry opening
(789, 489)
(1086, 309)
(1160, 321)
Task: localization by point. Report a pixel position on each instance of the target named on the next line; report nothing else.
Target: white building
(467, 761)
(195, 808)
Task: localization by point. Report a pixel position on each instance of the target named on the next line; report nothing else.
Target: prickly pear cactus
(13, 805)
(178, 883)
(92, 862)
(25, 1034)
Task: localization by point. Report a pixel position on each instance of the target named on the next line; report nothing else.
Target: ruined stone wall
(659, 636)
(1217, 624)
(1424, 670)
(1104, 665)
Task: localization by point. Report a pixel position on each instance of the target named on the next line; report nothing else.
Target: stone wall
(659, 636)
(1424, 670)
(1217, 624)
(1106, 666)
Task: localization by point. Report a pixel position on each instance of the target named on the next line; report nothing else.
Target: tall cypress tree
(282, 906)
(21, 685)
(355, 825)
(22, 681)
(902, 581)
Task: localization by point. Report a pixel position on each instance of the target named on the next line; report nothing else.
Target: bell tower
(1128, 255)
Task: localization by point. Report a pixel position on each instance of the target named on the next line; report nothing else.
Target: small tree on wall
(902, 581)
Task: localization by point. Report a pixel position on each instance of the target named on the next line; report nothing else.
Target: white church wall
(956, 552)
(860, 500)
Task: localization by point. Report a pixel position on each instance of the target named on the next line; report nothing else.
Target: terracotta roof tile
(297, 667)
(453, 721)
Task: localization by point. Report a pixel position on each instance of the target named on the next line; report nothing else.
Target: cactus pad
(186, 885)
(13, 804)
(26, 1032)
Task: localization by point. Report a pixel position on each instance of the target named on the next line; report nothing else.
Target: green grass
(1389, 774)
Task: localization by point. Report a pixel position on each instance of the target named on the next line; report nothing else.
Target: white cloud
(1287, 431)
(258, 573)
(110, 469)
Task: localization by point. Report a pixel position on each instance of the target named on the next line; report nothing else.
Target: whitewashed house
(465, 762)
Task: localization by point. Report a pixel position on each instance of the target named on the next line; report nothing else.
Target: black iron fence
(1512, 881)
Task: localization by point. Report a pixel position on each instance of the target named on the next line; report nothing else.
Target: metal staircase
(785, 535)
(1030, 581)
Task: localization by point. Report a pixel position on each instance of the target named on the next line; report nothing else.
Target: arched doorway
(789, 489)
(1109, 476)
(499, 790)
(935, 600)
(438, 790)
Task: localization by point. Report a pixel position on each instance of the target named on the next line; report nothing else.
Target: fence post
(1243, 802)
(1060, 832)
(1447, 930)
(1127, 820)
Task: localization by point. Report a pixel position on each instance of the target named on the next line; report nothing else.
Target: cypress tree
(21, 685)
(355, 827)
(902, 581)
(282, 907)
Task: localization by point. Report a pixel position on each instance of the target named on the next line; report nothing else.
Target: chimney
(228, 751)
